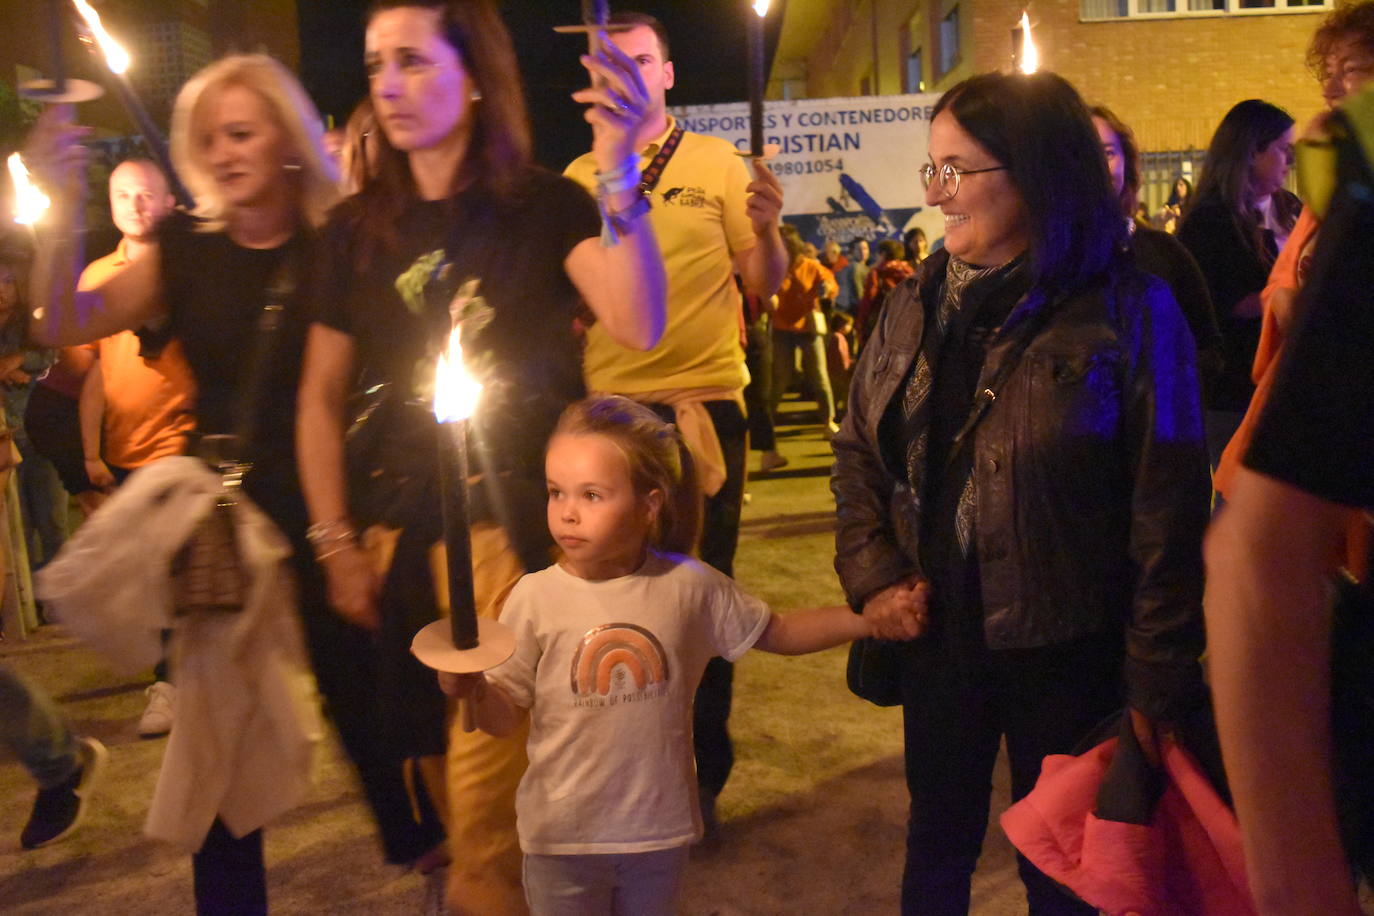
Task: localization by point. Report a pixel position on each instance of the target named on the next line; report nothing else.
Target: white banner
(848, 166)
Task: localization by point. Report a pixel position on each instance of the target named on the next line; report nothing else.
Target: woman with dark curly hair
(1022, 468)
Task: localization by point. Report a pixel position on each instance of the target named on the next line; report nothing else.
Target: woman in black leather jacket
(1052, 552)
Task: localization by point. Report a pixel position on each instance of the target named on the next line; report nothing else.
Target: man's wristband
(624, 177)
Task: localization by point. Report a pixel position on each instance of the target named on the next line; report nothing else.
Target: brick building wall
(1171, 79)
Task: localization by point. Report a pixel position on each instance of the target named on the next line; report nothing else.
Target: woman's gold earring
(475, 95)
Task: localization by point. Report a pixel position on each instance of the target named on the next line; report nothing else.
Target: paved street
(814, 815)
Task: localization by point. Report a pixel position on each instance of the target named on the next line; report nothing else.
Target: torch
(595, 15)
(757, 78)
(58, 89)
(117, 60)
(759, 151)
(30, 203)
(463, 644)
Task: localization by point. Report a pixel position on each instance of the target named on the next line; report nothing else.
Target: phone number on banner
(807, 166)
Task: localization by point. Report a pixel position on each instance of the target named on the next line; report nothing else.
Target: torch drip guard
(433, 646)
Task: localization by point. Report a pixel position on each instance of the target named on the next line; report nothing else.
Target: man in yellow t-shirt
(711, 221)
(135, 407)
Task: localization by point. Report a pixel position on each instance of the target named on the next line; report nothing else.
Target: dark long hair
(1248, 128)
(1038, 127)
(499, 148)
(1130, 156)
(1174, 197)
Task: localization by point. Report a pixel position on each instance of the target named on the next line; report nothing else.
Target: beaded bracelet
(331, 537)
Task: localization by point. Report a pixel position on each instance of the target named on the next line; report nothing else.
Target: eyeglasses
(949, 176)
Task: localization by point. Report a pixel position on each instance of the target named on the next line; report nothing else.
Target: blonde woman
(246, 141)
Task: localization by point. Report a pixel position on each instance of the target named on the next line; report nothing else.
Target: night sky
(707, 38)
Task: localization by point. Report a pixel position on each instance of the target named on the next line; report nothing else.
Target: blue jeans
(624, 884)
(31, 727)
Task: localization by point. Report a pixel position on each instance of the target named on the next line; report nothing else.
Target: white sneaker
(161, 710)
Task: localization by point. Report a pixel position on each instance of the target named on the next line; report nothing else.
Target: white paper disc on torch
(770, 152)
(74, 91)
(433, 646)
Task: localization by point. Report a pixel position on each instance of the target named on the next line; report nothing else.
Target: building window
(915, 71)
(1098, 10)
(949, 41)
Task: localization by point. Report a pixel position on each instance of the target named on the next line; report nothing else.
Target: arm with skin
(1268, 626)
(623, 284)
(812, 630)
(91, 413)
(329, 356)
(763, 266)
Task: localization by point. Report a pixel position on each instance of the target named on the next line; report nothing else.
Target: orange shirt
(807, 282)
(148, 402)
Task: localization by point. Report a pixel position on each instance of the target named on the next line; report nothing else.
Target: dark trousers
(1044, 701)
(719, 537)
(344, 658)
(758, 394)
(229, 875)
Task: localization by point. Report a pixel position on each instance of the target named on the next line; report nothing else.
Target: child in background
(610, 645)
(839, 361)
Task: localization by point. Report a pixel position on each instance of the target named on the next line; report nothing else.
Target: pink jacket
(1188, 860)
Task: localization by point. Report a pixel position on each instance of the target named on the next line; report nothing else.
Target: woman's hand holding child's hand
(901, 610)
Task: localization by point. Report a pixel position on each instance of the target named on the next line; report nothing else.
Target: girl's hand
(901, 610)
(619, 104)
(353, 587)
(54, 155)
(462, 686)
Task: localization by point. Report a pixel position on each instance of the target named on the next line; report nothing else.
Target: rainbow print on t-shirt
(612, 656)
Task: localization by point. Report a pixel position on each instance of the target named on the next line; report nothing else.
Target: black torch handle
(152, 138)
(453, 491)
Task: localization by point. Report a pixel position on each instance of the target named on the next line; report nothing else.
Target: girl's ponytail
(679, 521)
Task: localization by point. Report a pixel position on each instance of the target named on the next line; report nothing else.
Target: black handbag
(390, 457)
(874, 671)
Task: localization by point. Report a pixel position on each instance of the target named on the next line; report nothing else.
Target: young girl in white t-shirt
(610, 645)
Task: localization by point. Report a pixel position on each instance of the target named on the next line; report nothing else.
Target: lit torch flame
(455, 392)
(116, 58)
(1030, 57)
(29, 203)
(761, 7)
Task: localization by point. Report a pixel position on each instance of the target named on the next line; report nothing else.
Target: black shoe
(710, 823)
(59, 810)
